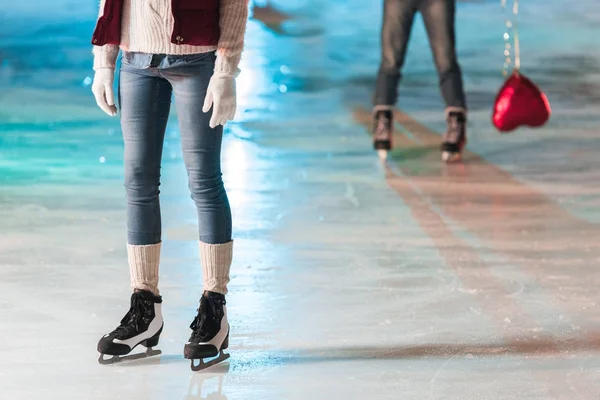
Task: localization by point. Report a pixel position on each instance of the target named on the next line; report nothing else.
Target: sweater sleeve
(233, 18)
(105, 56)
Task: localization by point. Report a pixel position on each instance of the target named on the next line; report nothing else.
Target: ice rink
(352, 279)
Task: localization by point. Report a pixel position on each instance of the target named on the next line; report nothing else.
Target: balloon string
(512, 30)
(516, 36)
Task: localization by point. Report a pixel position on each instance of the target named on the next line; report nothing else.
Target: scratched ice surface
(351, 280)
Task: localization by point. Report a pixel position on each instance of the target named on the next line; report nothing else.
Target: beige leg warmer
(216, 263)
(143, 266)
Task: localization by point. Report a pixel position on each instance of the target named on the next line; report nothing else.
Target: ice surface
(351, 280)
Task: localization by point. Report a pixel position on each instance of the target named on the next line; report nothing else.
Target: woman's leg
(438, 16)
(398, 16)
(201, 145)
(145, 100)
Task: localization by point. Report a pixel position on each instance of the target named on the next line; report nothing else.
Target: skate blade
(117, 359)
(449, 157)
(202, 365)
(383, 154)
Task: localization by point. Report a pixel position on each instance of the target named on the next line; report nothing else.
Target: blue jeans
(438, 16)
(146, 84)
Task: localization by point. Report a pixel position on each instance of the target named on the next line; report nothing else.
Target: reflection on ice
(208, 385)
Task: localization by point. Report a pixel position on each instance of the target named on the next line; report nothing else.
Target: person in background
(189, 49)
(438, 16)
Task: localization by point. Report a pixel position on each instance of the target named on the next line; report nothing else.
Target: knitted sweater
(146, 27)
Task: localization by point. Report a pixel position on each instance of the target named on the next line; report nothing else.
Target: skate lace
(130, 322)
(206, 315)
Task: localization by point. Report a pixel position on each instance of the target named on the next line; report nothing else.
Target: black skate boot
(142, 324)
(210, 332)
(455, 137)
(382, 131)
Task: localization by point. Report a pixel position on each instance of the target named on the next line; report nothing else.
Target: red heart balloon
(520, 102)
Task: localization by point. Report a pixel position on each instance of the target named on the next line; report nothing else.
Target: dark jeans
(146, 84)
(438, 16)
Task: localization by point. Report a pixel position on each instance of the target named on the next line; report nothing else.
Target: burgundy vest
(196, 23)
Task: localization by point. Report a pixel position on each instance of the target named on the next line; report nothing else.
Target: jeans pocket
(136, 60)
(126, 57)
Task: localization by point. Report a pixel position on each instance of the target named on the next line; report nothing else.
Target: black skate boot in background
(382, 131)
(210, 332)
(142, 324)
(455, 137)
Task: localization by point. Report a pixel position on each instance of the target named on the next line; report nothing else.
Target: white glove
(220, 95)
(102, 87)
